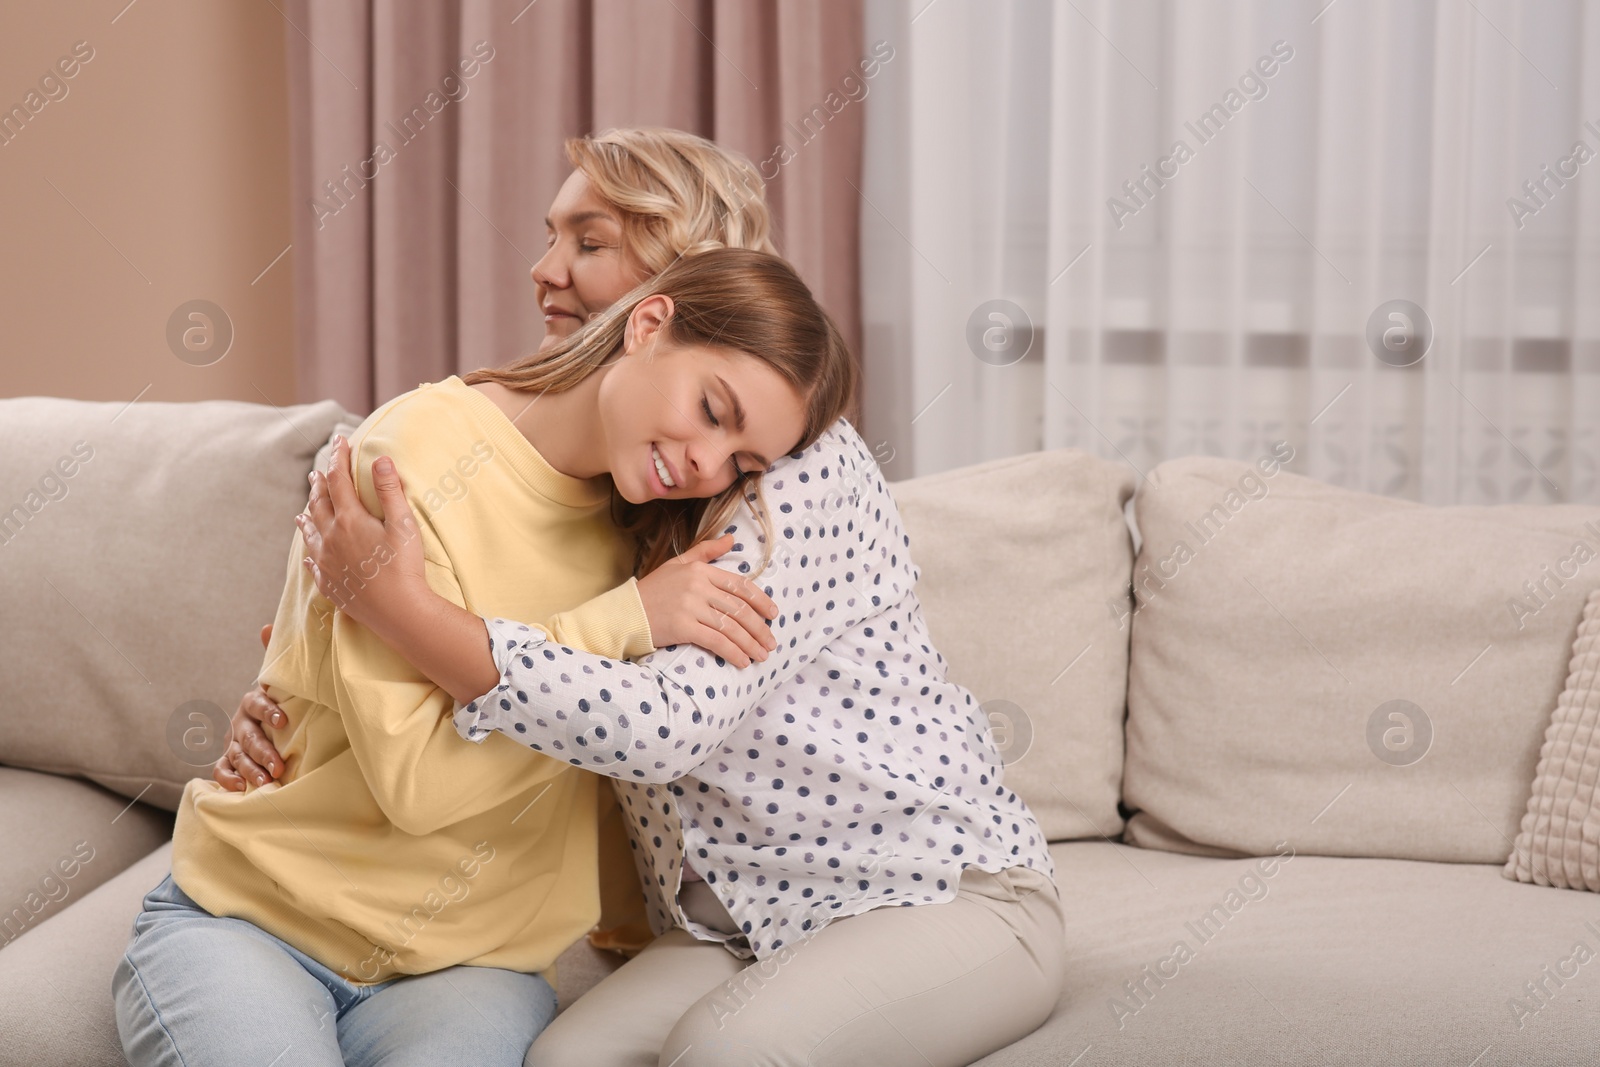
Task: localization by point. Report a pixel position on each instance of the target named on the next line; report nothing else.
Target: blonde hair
(728, 298)
(678, 194)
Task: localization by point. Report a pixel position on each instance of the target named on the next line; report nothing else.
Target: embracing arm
(396, 720)
(659, 718)
(452, 647)
(444, 641)
(448, 643)
(686, 599)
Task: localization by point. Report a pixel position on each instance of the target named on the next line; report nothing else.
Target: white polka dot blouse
(844, 773)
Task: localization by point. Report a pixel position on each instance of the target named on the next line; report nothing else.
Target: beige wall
(171, 144)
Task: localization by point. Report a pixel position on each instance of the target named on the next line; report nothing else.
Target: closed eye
(705, 405)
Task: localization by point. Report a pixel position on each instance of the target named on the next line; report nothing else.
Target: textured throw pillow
(1024, 577)
(1559, 844)
(142, 547)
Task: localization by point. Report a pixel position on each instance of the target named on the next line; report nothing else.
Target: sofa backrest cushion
(1355, 675)
(142, 548)
(1024, 562)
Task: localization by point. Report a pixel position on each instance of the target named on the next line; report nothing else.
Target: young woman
(394, 896)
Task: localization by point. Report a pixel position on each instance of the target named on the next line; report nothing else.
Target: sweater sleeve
(398, 725)
(834, 565)
(398, 721)
(611, 624)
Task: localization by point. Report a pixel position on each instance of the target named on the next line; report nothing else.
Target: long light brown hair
(732, 299)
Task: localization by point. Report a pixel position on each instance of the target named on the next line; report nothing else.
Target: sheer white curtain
(1217, 297)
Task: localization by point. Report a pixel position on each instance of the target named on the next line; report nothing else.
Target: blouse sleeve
(838, 558)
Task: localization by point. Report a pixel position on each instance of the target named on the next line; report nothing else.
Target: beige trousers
(934, 984)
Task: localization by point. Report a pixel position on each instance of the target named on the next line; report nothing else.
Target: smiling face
(586, 267)
(681, 421)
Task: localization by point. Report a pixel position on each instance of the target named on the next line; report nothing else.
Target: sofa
(1280, 734)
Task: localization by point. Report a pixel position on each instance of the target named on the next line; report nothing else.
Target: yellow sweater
(390, 845)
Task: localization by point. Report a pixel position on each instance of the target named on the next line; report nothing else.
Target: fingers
(246, 768)
(725, 620)
(325, 587)
(253, 755)
(706, 551)
(312, 534)
(750, 613)
(258, 707)
(224, 774)
(718, 643)
(747, 589)
(319, 507)
(250, 751)
(742, 622)
(341, 485)
(266, 635)
(392, 495)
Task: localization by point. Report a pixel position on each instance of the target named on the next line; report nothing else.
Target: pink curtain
(426, 146)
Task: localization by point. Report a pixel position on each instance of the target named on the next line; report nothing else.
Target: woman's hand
(250, 756)
(689, 601)
(364, 564)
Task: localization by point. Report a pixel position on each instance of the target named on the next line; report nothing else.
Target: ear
(647, 323)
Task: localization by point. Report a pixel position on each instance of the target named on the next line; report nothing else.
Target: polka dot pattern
(845, 773)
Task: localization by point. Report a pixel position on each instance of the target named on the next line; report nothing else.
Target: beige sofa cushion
(64, 836)
(142, 547)
(1278, 620)
(1559, 843)
(1024, 566)
(56, 979)
(1380, 963)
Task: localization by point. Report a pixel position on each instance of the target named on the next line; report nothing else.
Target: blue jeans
(195, 990)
